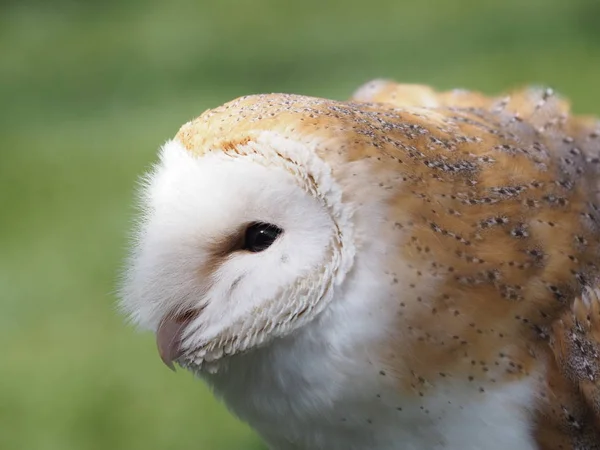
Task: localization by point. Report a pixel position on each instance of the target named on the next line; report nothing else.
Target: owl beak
(169, 336)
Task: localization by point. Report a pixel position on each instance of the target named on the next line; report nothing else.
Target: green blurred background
(88, 91)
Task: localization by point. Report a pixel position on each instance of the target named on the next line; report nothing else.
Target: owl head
(243, 233)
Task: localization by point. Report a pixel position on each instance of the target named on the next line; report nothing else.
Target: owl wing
(569, 415)
(575, 342)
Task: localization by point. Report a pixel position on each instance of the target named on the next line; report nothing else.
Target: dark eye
(260, 236)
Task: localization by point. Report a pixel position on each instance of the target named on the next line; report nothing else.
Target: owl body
(393, 272)
(326, 387)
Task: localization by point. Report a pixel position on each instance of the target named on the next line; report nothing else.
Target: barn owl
(408, 269)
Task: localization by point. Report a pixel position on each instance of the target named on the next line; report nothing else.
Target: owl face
(230, 252)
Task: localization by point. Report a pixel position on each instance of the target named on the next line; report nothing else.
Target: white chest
(305, 394)
(324, 389)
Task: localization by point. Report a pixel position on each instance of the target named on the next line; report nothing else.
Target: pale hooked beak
(169, 336)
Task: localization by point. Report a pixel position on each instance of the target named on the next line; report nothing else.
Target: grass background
(89, 90)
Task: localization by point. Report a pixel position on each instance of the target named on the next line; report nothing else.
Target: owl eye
(259, 236)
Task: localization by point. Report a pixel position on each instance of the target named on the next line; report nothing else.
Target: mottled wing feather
(540, 126)
(570, 413)
(576, 344)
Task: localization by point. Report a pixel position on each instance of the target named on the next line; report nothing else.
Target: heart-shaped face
(237, 245)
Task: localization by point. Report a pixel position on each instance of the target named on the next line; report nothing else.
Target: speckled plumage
(480, 216)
